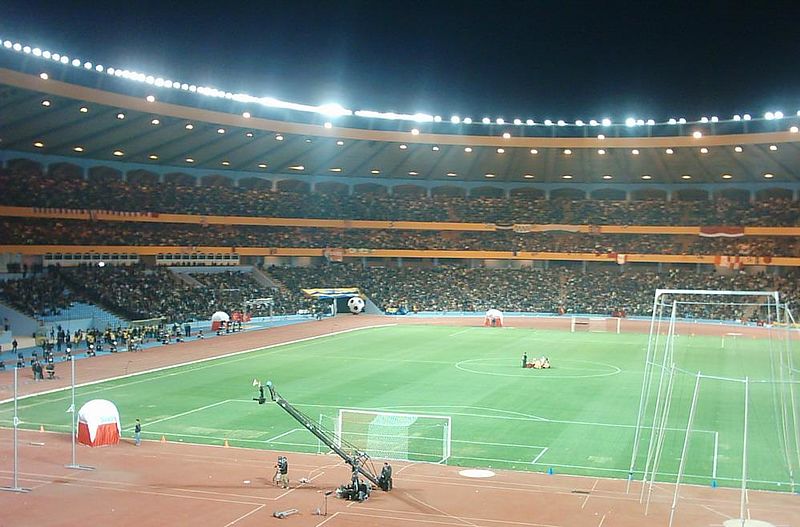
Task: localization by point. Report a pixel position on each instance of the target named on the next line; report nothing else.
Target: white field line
(243, 516)
(189, 363)
(200, 409)
(329, 518)
(539, 456)
(440, 511)
(271, 439)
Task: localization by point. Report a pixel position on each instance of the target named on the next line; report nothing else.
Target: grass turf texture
(576, 418)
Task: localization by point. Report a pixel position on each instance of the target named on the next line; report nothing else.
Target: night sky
(498, 59)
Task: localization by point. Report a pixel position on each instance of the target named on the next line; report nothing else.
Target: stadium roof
(136, 122)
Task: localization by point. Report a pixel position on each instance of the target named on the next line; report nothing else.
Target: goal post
(718, 401)
(595, 324)
(398, 436)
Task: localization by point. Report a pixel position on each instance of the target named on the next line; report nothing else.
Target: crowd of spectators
(140, 292)
(34, 189)
(556, 290)
(18, 231)
(39, 294)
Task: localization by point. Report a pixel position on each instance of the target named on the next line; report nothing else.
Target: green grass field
(576, 418)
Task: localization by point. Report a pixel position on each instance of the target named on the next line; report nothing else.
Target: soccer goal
(595, 324)
(719, 399)
(401, 436)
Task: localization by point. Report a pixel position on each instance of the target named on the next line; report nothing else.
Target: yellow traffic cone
(41, 428)
(226, 444)
(163, 439)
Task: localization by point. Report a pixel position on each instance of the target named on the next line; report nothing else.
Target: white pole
(661, 407)
(744, 449)
(662, 433)
(682, 464)
(646, 383)
(15, 487)
(74, 463)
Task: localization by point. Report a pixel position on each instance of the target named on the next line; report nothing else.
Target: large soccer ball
(355, 304)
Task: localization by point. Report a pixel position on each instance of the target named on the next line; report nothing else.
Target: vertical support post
(15, 487)
(645, 388)
(744, 450)
(682, 465)
(74, 429)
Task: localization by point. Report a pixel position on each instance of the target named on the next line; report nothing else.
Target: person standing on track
(283, 470)
(137, 433)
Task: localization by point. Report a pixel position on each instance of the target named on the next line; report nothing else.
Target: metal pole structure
(15, 487)
(682, 465)
(651, 351)
(662, 429)
(744, 451)
(74, 429)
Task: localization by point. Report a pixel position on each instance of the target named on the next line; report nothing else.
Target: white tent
(218, 318)
(98, 423)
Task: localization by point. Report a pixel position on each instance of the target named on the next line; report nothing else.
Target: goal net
(719, 398)
(595, 324)
(401, 436)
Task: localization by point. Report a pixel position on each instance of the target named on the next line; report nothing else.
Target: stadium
(531, 321)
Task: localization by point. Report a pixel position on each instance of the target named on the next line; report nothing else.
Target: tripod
(324, 511)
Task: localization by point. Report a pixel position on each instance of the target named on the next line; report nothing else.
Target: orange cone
(41, 428)
(226, 444)
(163, 439)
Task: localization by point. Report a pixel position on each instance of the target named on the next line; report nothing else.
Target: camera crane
(357, 460)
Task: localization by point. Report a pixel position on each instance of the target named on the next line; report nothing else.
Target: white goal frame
(660, 370)
(596, 324)
(447, 436)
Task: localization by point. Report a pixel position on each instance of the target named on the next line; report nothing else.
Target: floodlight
(99, 68)
(737, 117)
(651, 122)
(578, 122)
(414, 131)
(500, 120)
(506, 135)
(567, 152)
(697, 134)
(561, 122)
(608, 176)
(704, 150)
(467, 120)
(639, 122)
(455, 119)
(682, 120)
(46, 54)
(704, 119)
(517, 122)
(26, 49)
(403, 147)
(779, 115)
(601, 136)
(746, 117)
(76, 63)
(501, 150)
(64, 59)
(468, 149)
(530, 122)
(773, 148)
(593, 122)
(769, 116)
(44, 76)
(630, 121)
(435, 148)
(672, 120)
(714, 119)
(486, 120)
(534, 151)
(793, 129)
(601, 152)
(333, 110)
(635, 151)
(606, 121)
(150, 98)
(326, 125)
(737, 149)
(437, 118)
(37, 52)
(7, 44)
(88, 65)
(669, 151)
(17, 46)
(548, 122)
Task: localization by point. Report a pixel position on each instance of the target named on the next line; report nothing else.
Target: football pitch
(578, 417)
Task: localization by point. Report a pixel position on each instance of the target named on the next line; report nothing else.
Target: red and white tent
(218, 319)
(98, 423)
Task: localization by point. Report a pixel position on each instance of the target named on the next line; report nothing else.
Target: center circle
(502, 367)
